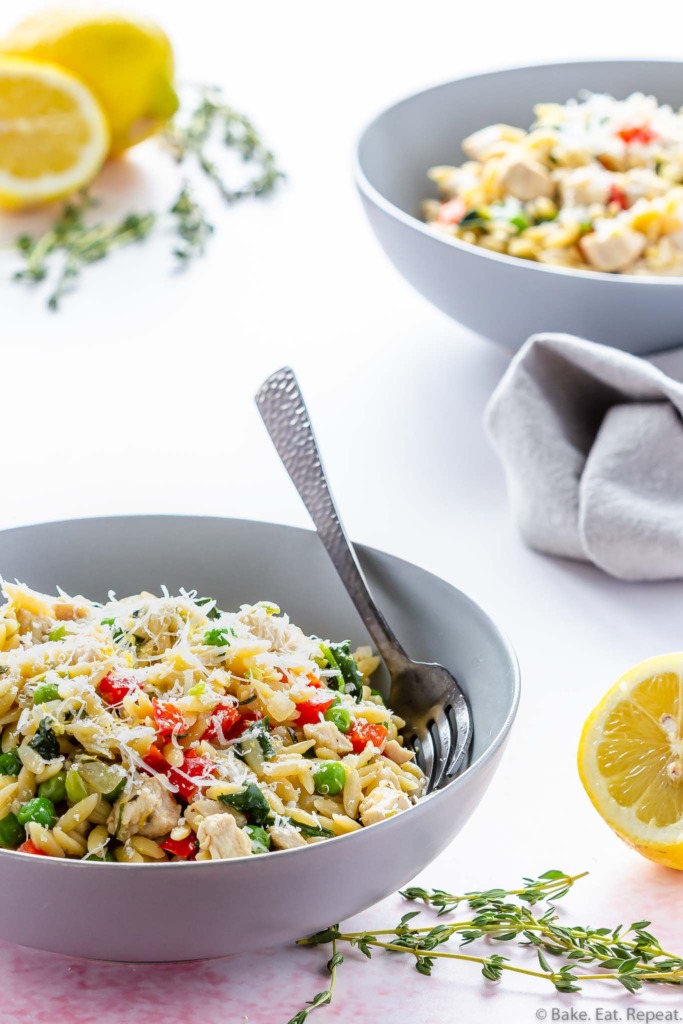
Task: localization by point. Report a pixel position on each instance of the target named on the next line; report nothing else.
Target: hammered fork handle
(284, 413)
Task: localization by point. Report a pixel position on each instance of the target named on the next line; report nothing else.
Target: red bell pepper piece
(30, 847)
(169, 719)
(156, 760)
(639, 133)
(186, 848)
(194, 765)
(114, 688)
(311, 711)
(618, 196)
(243, 723)
(223, 718)
(452, 211)
(361, 733)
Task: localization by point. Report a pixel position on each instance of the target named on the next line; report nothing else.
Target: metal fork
(438, 721)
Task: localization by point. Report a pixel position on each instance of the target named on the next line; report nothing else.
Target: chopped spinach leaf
(218, 637)
(339, 657)
(249, 801)
(213, 613)
(474, 219)
(258, 733)
(311, 830)
(45, 742)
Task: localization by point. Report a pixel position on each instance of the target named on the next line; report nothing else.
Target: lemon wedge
(127, 62)
(631, 758)
(53, 134)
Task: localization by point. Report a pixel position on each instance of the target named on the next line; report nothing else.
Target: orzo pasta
(161, 728)
(595, 184)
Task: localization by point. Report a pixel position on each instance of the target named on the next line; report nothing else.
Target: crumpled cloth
(591, 440)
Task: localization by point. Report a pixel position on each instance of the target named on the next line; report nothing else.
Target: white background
(137, 397)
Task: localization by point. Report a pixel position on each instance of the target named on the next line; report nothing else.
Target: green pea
(10, 763)
(339, 716)
(45, 692)
(54, 789)
(12, 832)
(39, 809)
(330, 777)
(75, 787)
(260, 840)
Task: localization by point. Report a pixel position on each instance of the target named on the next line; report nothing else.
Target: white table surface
(137, 397)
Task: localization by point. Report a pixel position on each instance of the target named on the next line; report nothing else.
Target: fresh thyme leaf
(191, 136)
(192, 226)
(632, 957)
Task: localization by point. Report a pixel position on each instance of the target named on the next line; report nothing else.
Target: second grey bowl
(502, 297)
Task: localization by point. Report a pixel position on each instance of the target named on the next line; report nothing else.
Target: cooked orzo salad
(161, 728)
(594, 184)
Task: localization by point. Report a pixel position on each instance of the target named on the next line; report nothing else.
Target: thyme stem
(630, 956)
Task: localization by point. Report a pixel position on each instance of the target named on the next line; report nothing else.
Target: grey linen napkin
(591, 440)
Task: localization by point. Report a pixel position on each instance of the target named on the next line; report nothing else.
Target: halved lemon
(53, 135)
(631, 758)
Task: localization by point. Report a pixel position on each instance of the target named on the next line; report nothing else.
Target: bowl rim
(367, 189)
(473, 768)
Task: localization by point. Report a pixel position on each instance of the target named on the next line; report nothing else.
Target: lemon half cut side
(631, 758)
(53, 134)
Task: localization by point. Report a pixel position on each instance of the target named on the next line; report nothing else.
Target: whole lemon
(126, 62)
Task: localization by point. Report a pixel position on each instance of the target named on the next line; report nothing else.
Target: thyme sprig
(631, 956)
(323, 998)
(192, 136)
(78, 244)
(192, 227)
(73, 242)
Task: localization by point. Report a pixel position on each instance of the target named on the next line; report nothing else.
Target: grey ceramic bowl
(504, 298)
(130, 912)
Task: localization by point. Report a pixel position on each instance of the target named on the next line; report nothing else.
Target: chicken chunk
(582, 186)
(612, 250)
(286, 837)
(221, 837)
(396, 753)
(525, 178)
(151, 811)
(643, 183)
(490, 140)
(326, 734)
(384, 801)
